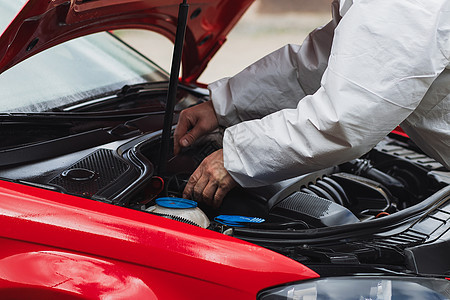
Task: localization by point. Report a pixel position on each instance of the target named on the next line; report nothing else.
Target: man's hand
(193, 123)
(210, 182)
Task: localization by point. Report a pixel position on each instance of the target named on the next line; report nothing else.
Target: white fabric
(385, 56)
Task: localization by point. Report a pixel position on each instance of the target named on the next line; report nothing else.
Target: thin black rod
(173, 86)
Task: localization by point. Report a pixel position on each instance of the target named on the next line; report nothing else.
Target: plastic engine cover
(315, 211)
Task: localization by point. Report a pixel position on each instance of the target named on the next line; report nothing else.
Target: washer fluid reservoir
(180, 209)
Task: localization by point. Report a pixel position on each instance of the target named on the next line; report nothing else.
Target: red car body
(43, 24)
(56, 245)
(61, 245)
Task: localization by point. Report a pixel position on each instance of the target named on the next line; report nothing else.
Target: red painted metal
(62, 246)
(48, 23)
(399, 131)
(79, 247)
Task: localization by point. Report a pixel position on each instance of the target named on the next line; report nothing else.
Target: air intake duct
(315, 211)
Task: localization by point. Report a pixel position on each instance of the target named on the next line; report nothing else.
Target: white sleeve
(385, 55)
(277, 81)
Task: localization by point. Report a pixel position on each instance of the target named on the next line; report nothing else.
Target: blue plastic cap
(237, 221)
(169, 202)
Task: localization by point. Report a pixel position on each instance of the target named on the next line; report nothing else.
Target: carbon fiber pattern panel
(307, 204)
(106, 166)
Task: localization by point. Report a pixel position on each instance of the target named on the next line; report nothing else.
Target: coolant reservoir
(180, 208)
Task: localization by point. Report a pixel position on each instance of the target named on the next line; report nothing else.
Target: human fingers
(209, 192)
(194, 123)
(188, 191)
(214, 182)
(221, 191)
(185, 122)
(199, 187)
(191, 136)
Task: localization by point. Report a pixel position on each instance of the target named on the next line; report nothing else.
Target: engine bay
(391, 177)
(343, 214)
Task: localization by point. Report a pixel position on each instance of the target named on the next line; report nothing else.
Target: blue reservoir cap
(237, 221)
(169, 202)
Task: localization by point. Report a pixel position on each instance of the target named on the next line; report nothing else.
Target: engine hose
(328, 189)
(334, 193)
(344, 231)
(362, 167)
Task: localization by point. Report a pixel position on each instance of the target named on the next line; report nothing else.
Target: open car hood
(42, 24)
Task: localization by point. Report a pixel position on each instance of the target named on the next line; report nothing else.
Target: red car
(87, 211)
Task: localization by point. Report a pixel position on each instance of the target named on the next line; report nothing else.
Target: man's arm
(277, 81)
(385, 56)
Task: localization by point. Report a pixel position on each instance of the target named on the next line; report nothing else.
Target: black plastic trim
(344, 231)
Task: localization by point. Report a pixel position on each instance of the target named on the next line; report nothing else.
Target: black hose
(343, 231)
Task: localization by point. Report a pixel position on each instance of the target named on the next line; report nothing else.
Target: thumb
(190, 137)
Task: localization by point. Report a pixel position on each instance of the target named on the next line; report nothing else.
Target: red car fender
(162, 257)
(44, 274)
(49, 274)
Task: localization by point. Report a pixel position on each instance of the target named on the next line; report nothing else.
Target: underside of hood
(42, 24)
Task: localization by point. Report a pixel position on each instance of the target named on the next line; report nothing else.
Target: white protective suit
(389, 63)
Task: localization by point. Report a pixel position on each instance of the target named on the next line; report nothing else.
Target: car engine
(393, 176)
(381, 209)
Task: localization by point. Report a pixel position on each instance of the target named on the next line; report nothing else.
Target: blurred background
(265, 27)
